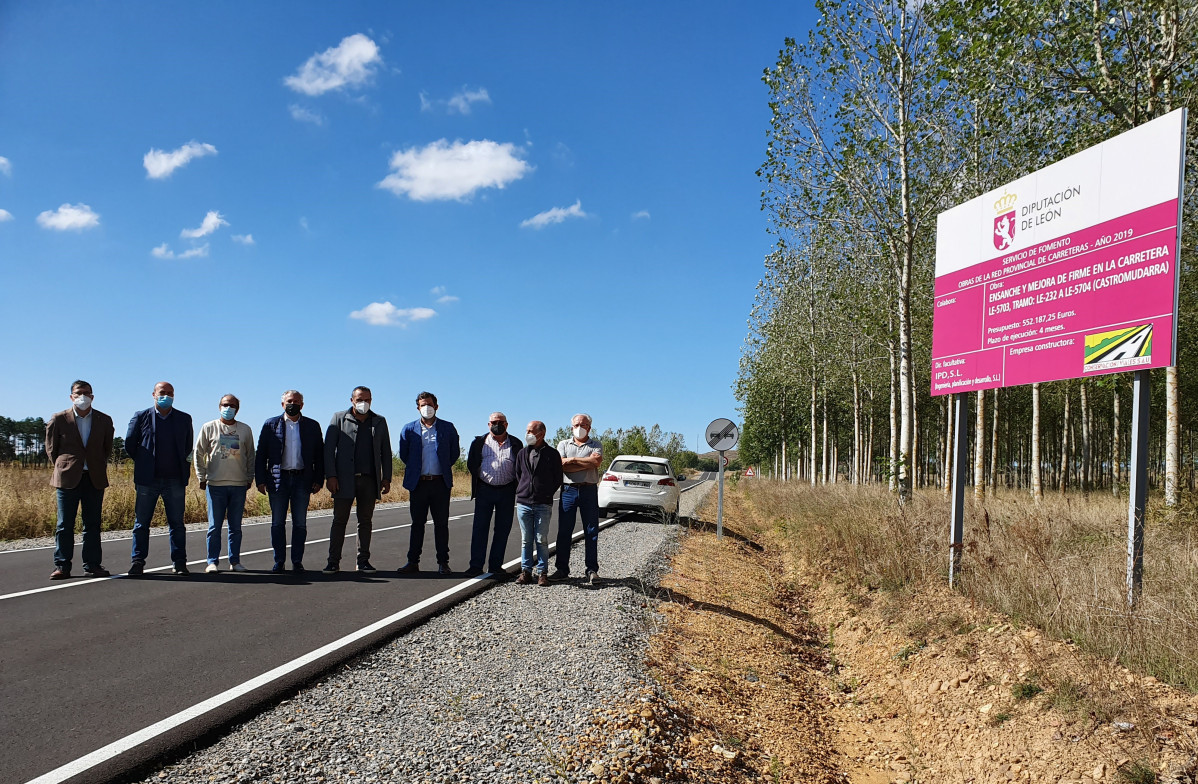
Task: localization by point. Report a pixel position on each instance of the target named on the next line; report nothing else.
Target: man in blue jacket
(289, 468)
(428, 447)
(160, 440)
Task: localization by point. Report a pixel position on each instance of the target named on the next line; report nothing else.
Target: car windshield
(639, 467)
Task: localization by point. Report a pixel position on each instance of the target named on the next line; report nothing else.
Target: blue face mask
(165, 401)
(228, 413)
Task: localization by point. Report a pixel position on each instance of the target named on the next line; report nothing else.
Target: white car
(639, 484)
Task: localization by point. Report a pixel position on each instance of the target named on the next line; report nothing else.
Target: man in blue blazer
(289, 468)
(428, 447)
(160, 441)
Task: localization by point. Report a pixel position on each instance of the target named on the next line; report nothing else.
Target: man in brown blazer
(79, 443)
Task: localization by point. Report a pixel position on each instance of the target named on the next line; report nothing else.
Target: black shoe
(411, 567)
(444, 569)
(366, 568)
(278, 568)
(98, 571)
(559, 575)
(298, 568)
(181, 570)
(474, 571)
(499, 574)
(137, 569)
(331, 568)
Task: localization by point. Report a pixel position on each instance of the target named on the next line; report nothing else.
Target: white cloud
(163, 252)
(454, 171)
(5, 216)
(303, 114)
(461, 101)
(304, 224)
(555, 215)
(5, 166)
(642, 215)
(425, 104)
(384, 314)
(244, 239)
(349, 64)
(69, 217)
(212, 221)
(441, 295)
(160, 164)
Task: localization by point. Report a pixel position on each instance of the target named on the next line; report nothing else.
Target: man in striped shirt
(492, 464)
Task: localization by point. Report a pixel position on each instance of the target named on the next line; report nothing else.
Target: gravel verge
(495, 689)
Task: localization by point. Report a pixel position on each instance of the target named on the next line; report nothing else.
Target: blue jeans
(534, 527)
(225, 500)
(584, 502)
(84, 494)
(502, 502)
(173, 495)
(294, 492)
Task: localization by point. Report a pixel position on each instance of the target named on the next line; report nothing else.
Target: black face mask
(499, 428)
(292, 409)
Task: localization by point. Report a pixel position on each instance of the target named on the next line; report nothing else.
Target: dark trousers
(85, 495)
(430, 496)
(501, 501)
(582, 502)
(366, 494)
(293, 492)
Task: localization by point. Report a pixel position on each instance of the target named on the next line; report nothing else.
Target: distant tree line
(885, 115)
(639, 440)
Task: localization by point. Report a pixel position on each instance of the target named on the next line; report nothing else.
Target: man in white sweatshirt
(224, 461)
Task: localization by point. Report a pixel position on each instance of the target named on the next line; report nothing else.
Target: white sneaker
(211, 569)
(239, 568)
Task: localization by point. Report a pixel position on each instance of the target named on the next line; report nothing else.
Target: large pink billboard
(1068, 272)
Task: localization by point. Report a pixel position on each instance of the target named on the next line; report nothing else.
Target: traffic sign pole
(721, 435)
(719, 516)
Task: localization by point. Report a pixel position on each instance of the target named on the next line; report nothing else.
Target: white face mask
(83, 402)
(530, 439)
(427, 411)
(362, 407)
(581, 433)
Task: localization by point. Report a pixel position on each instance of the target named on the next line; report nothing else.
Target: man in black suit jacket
(289, 468)
(492, 464)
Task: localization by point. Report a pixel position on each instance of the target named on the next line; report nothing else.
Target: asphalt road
(103, 676)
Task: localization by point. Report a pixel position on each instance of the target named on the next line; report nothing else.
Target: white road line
(125, 575)
(135, 739)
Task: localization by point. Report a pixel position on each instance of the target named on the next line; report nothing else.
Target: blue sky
(538, 208)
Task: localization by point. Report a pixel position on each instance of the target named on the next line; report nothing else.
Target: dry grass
(1060, 566)
(28, 506)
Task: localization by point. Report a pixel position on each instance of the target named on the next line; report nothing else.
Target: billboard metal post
(960, 471)
(719, 516)
(1138, 487)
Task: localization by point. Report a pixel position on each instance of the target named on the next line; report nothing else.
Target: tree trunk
(1085, 425)
(1065, 443)
(814, 393)
(1116, 451)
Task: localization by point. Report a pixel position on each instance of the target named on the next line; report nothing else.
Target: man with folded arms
(289, 468)
(224, 460)
(581, 458)
(538, 476)
(79, 442)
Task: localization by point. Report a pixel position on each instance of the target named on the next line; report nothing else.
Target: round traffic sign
(725, 461)
(722, 435)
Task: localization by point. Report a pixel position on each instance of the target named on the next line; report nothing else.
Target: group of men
(353, 460)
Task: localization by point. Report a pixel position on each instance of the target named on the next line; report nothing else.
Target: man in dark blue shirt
(160, 441)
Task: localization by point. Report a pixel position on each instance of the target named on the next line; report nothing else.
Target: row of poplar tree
(887, 113)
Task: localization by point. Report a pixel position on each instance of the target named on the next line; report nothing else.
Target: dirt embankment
(769, 672)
